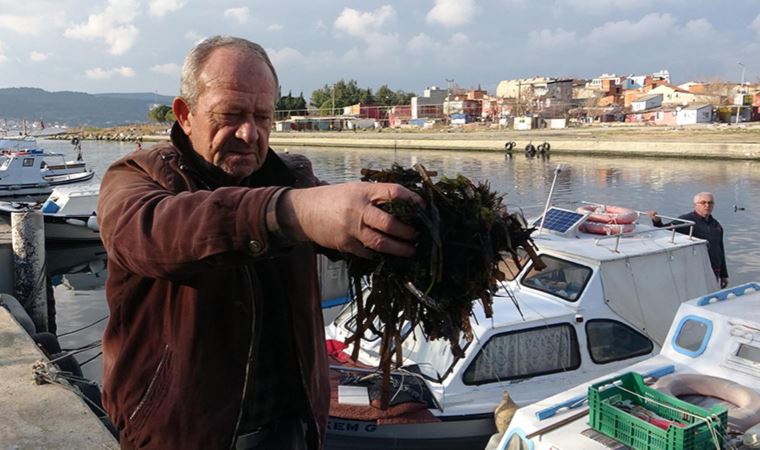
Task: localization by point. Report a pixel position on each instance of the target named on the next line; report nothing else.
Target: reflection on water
(664, 185)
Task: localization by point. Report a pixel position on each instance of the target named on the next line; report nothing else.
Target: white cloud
(193, 36)
(700, 26)
(275, 27)
(286, 56)
(421, 43)
(39, 56)
(113, 24)
(626, 31)
(3, 58)
(551, 38)
(29, 25)
(105, 74)
(166, 69)
(604, 6)
(459, 40)
(357, 23)
(159, 8)
(452, 13)
(756, 24)
(239, 15)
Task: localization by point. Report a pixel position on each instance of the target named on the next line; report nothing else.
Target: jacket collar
(272, 173)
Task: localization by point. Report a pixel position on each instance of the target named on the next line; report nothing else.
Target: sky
(100, 46)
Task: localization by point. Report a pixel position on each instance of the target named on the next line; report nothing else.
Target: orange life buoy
(607, 228)
(609, 214)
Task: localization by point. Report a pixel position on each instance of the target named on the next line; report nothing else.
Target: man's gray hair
(703, 194)
(190, 86)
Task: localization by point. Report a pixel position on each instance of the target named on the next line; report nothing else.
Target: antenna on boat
(557, 170)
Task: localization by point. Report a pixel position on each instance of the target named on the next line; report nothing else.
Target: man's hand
(653, 215)
(723, 282)
(345, 217)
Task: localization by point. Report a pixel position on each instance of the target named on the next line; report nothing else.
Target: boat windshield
(561, 278)
(432, 359)
(4, 162)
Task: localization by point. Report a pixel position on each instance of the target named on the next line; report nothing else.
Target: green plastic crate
(642, 435)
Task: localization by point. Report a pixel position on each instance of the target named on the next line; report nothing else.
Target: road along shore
(713, 149)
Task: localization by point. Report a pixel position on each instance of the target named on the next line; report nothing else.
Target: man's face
(230, 124)
(704, 205)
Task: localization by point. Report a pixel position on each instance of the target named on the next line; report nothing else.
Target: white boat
(69, 213)
(602, 304)
(28, 170)
(711, 356)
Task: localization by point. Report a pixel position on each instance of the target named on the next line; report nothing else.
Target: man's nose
(247, 131)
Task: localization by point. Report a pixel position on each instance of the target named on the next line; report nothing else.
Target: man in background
(705, 227)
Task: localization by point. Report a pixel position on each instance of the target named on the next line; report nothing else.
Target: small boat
(709, 363)
(26, 170)
(69, 213)
(601, 304)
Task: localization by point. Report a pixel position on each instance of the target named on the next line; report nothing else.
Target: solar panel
(561, 220)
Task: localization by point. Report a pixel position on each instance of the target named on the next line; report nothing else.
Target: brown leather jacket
(189, 260)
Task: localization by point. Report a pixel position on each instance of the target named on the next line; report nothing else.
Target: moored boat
(26, 170)
(69, 213)
(705, 380)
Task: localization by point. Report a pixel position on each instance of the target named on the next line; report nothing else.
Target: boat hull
(460, 433)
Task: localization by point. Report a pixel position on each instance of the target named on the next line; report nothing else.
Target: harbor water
(664, 185)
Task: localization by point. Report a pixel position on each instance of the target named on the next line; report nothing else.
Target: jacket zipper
(248, 361)
(148, 391)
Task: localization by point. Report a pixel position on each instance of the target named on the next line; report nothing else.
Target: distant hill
(77, 108)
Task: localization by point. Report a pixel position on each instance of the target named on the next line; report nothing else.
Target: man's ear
(182, 113)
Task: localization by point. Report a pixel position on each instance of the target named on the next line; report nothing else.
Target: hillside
(77, 108)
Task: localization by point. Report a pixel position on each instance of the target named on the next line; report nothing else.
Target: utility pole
(741, 102)
(332, 110)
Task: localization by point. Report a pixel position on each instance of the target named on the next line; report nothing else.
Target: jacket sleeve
(152, 231)
(723, 268)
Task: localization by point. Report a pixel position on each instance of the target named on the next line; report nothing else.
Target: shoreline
(607, 147)
(704, 142)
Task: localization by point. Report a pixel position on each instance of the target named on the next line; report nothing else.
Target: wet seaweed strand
(465, 231)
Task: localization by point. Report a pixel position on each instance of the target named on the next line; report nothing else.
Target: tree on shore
(346, 93)
(288, 105)
(161, 114)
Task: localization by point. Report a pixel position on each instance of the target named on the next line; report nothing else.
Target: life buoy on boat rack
(509, 146)
(742, 416)
(609, 214)
(607, 228)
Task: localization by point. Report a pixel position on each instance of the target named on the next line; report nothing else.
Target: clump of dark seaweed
(465, 231)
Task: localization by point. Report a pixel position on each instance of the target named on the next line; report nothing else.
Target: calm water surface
(665, 185)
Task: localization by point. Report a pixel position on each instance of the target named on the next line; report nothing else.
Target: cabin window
(749, 353)
(561, 278)
(692, 335)
(28, 162)
(524, 354)
(509, 267)
(610, 341)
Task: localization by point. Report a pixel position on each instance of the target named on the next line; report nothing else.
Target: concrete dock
(35, 416)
